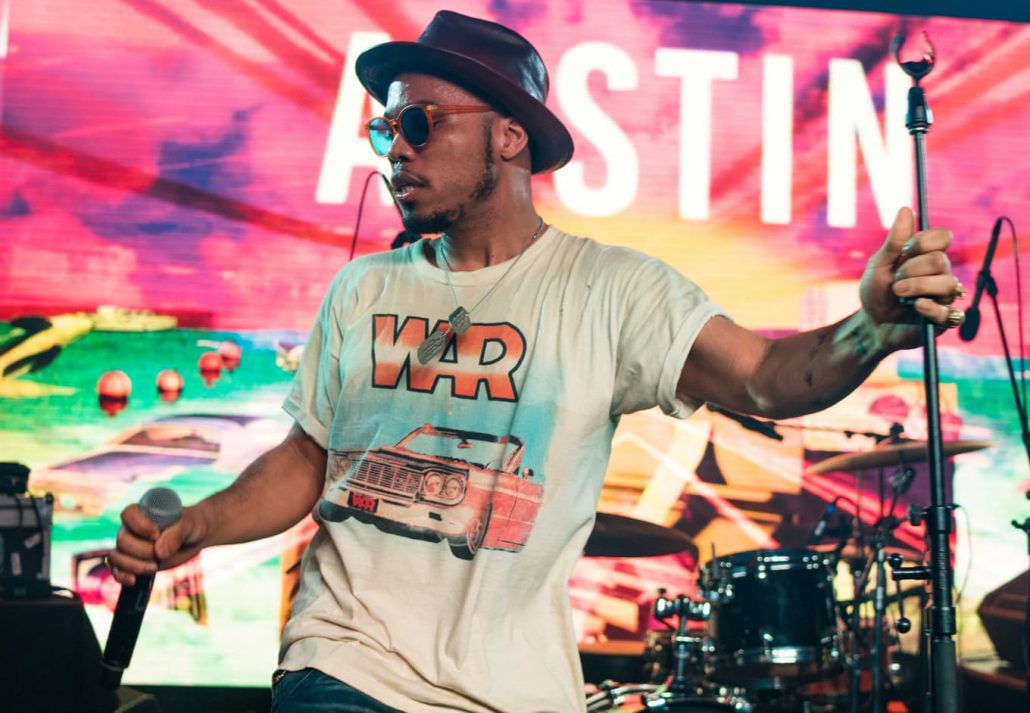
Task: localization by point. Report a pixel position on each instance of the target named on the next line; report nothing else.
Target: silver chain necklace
(461, 319)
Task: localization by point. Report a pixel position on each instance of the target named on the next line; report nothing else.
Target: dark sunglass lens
(380, 135)
(414, 124)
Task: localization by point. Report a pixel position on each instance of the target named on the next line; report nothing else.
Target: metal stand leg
(880, 604)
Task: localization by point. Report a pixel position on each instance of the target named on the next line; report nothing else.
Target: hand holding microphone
(154, 535)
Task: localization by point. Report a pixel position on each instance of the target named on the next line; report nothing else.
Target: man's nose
(400, 149)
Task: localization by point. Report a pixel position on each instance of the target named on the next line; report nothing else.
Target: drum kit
(766, 633)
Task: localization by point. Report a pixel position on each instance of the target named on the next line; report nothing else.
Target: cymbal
(621, 536)
(904, 453)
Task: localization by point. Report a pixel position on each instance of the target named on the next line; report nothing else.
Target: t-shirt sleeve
(316, 385)
(660, 313)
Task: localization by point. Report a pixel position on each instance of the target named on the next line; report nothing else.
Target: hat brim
(550, 143)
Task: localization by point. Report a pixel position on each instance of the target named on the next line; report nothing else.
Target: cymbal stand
(855, 660)
(878, 617)
(939, 514)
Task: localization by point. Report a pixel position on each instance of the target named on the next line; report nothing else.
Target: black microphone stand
(1025, 527)
(944, 674)
(991, 288)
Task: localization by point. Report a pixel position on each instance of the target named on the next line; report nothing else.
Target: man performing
(457, 397)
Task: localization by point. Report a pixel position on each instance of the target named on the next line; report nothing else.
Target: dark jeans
(311, 691)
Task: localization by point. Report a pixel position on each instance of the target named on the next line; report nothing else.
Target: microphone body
(967, 332)
(163, 508)
(824, 521)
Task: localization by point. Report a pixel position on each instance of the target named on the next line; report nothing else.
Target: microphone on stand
(824, 521)
(967, 332)
(163, 508)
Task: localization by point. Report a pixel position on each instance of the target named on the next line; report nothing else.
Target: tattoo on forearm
(808, 378)
(820, 340)
(860, 338)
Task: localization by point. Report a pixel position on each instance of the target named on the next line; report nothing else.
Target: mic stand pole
(938, 515)
(1025, 527)
(991, 288)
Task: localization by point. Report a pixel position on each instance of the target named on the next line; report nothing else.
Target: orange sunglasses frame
(430, 110)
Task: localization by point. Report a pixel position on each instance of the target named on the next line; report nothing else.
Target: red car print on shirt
(439, 483)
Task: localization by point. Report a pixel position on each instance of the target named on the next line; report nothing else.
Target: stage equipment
(163, 508)
(894, 453)
(621, 536)
(998, 610)
(25, 525)
(14, 478)
(985, 283)
(773, 617)
(984, 280)
(944, 679)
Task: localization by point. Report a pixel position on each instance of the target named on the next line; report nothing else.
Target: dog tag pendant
(460, 320)
(433, 344)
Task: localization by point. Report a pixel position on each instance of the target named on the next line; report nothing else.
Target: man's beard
(441, 220)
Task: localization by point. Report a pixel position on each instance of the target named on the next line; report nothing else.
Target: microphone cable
(361, 208)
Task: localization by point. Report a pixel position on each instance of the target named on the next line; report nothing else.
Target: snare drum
(773, 617)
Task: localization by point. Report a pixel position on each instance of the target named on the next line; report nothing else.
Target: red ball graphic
(113, 390)
(231, 354)
(114, 385)
(210, 366)
(169, 384)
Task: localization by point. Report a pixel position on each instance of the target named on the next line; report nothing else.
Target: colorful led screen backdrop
(180, 181)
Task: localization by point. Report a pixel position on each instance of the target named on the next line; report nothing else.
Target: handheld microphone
(824, 521)
(967, 332)
(163, 508)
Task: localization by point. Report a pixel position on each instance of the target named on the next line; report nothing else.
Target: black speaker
(1003, 613)
(50, 658)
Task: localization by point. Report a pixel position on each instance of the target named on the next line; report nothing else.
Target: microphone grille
(161, 506)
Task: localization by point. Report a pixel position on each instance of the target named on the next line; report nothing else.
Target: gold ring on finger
(959, 291)
(955, 317)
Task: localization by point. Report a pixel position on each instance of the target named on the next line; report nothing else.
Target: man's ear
(514, 139)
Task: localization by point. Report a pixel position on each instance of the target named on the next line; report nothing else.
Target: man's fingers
(169, 542)
(900, 232)
(133, 546)
(935, 286)
(125, 567)
(134, 520)
(935, 263)
(933, 311)
(927, 241)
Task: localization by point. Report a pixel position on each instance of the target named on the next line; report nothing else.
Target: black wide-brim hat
(486, 58)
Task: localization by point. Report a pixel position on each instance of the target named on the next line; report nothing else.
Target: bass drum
(773, 617)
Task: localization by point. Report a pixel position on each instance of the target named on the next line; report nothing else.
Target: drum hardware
(874, 541)
(681, 691)
(869, 550)
(683, 644)
(611, 695)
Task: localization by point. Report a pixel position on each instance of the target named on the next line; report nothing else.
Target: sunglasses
(415, 123)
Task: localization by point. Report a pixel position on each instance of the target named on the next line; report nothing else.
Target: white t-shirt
(460, 493)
